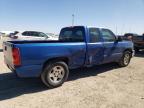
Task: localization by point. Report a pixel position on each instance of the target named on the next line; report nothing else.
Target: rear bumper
(27, 71)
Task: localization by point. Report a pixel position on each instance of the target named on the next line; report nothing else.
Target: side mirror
(118, 38)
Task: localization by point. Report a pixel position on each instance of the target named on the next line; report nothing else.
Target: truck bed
(33, 54)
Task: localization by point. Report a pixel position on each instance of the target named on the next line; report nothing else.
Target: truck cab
(102, 45)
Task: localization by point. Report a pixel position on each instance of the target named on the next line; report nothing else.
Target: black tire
(55, 71)
(125, 60)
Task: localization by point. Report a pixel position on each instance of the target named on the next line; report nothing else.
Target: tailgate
(7, 49)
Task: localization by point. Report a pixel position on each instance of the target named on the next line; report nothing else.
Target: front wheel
(55, 74)
(125, 60)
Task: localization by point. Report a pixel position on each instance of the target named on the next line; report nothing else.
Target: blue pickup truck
(78, 46)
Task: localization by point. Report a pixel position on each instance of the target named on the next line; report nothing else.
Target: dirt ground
(106, 86)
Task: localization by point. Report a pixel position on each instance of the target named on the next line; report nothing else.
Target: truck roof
(85, 26)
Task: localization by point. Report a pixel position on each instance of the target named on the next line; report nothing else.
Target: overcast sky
(51, 15)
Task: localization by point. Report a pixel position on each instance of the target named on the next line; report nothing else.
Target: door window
(108, 36)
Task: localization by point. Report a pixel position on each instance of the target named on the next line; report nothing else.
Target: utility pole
(73, 16)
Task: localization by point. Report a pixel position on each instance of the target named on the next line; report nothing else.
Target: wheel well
(64, 59)
(130, 50)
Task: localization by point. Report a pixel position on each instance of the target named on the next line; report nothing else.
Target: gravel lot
(106, 86)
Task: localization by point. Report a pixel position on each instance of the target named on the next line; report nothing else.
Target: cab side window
(108, 36)
(24, 33)
(35, 34)
(94, 35)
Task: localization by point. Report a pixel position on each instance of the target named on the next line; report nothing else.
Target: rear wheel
(125, 60)
(55, 74)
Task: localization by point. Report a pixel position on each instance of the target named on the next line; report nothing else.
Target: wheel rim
(126, 59)
(56, 74)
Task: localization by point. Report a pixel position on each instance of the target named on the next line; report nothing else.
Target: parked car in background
(78, 46)
(138, 40)
(31, 35)
(53, 35)
(6, 33)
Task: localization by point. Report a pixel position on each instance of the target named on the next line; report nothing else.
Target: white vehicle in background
(53, 35)
(31, 35)
(0, 35)
(6, 33)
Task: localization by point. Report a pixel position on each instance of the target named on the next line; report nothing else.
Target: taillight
(16, 56)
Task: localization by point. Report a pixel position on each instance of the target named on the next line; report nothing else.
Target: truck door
(112, 49)
(95, 47)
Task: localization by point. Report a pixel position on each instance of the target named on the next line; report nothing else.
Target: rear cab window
(72, 34)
